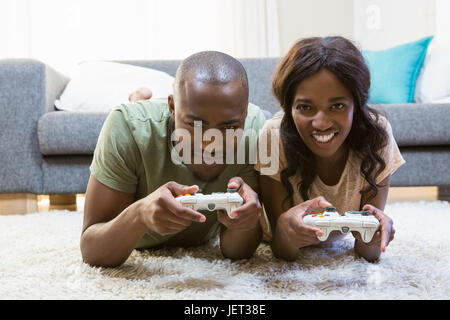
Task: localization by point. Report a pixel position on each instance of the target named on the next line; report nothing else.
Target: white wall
(306, 18)
(443, 21)
(373, 24)
(379, 24)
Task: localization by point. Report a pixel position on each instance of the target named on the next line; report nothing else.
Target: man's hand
(241, 235)
(385, 233)
(245, 217)
(162, 213)
(140, 94)
(292, 228)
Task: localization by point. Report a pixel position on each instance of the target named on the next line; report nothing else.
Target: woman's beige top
(345, 195)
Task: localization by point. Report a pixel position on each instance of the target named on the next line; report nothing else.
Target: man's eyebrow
(229, 122)
(197, 118)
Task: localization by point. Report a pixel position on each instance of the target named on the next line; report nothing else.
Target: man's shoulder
(256, 117)
(155, 110)
(139, 121)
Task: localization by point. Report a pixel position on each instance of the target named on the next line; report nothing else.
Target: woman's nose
(321, 121)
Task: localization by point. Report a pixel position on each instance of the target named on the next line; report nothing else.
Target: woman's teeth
(324, 138)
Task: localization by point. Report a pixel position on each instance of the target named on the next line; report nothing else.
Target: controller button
(314, 215)
(321, 216)
(369, 224)
(187, 194)
(211, 206)
(345, 229)
(366, 236)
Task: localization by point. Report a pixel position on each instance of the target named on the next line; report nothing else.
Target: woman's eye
(338, 106)
(302, 107)
(229, 127)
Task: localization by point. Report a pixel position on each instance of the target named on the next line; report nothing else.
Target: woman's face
(323, 114)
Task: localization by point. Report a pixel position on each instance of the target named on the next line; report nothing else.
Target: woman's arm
(273, 194)
(289, 232)
(371, 251)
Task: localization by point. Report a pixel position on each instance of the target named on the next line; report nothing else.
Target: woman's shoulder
(381, 120)
(274, 122)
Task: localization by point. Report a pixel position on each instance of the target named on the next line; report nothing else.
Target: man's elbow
(237, 254)
(96, 260)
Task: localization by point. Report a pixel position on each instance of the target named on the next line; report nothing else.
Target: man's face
(198, 107)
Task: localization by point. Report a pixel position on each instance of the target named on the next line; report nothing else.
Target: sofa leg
(18, 203)
(63, 202)
(444, 193)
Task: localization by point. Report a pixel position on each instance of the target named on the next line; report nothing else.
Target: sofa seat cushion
(419, 124)
(76, 133)
(69, 133)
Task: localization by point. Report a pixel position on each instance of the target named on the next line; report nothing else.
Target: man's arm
(241, 236)
(113, 222)
(111, 225)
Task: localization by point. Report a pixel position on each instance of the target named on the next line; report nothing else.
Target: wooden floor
(396, 194)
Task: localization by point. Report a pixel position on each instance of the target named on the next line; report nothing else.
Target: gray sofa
(45, 151)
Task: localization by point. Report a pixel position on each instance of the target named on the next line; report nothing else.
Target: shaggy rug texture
(40, 259)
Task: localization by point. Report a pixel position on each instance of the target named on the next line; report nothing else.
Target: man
(130, 198)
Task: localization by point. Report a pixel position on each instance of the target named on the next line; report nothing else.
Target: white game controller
(366, 224)
(215, 201)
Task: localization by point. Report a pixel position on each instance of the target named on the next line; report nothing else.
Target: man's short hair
(212, 67)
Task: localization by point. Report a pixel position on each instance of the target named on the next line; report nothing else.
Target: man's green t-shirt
(133, 154)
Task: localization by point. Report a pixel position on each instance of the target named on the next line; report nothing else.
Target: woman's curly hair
(366, 138)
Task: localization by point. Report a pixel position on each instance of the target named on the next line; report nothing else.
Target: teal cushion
(394, 71)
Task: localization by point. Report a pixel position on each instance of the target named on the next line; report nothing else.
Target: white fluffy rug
(40, 259)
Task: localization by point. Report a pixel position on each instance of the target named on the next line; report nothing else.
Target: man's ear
(171, 106)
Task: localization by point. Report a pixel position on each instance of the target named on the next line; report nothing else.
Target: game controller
(330, 220)
(227, 201)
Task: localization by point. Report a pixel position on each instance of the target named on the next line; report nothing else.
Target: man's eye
(196, 124)
(230, 127)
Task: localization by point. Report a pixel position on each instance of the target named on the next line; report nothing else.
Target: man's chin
(206, 172)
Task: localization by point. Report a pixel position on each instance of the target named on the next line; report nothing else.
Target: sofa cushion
(102, 85)
(67, 132)
(394, 71)
(419, 124)
(76, 133)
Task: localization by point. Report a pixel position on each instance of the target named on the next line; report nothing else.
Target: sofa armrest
(28, 89)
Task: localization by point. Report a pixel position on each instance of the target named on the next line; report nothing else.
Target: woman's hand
(293, 232)
(385, 233)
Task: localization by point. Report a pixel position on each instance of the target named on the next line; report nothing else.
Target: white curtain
(249, 28)
(64, 32)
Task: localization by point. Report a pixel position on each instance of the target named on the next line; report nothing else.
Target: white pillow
(433, 83)
(443, 100)
(102, 85)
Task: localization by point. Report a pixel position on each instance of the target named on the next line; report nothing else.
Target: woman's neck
(330, 169)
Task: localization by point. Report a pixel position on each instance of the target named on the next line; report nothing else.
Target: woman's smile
(324, 139)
